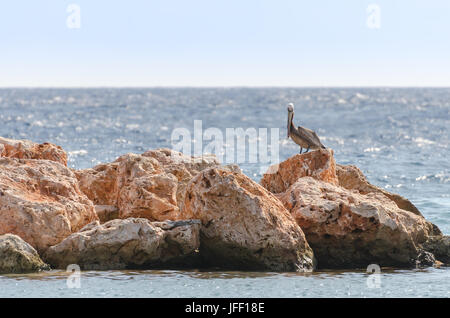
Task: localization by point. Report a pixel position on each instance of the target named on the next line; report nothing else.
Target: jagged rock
(40, 201)
(318, 164)
(243, 225)
(351, 178)
(129, 243)
(17, 256)
(347, 229)
(25, 149)
(439, 246)
(151, 185)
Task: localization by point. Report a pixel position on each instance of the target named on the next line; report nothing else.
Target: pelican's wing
(309, 135)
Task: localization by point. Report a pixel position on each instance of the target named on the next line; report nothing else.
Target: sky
(224, 43)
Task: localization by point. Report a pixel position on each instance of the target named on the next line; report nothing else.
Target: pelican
(304, 137)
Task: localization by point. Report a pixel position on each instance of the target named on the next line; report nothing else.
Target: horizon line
(218, 86)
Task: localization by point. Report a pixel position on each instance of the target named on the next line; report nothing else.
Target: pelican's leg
(301, 149)
(307, 150)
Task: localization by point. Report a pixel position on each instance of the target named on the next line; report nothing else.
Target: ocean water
(399, 138)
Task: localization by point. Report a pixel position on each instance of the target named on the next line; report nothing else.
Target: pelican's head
(290, 107)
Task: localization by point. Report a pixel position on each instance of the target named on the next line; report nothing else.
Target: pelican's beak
(289, 123)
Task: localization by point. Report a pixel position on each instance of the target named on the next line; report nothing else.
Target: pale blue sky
(225, 43)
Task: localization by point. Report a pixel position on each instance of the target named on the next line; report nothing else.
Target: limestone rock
(319, 164)
(17, 256)
(351, 178)
(439, 246)
(40, 201)
(128, 243)
(243, 225)
(25, 149)
(347, 229)
(151, 185)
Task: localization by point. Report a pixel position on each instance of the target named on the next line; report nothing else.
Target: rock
(129, 243)
(99, 184)
(25, 149)
(145, 189)
(318, 164)
(17, 256)
(106, 213)
(347, 229)
(40, 201)
(351, 178)
(151, 185)
(425, 259)
(183, 167)
(243, 225)
(439, 246)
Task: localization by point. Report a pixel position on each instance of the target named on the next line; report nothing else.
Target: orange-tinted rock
(40, 201)
(243, 225)
(25, 149)
(351, 178)
(318, 164)
(347, 229)
(151, 185)
(183, 167)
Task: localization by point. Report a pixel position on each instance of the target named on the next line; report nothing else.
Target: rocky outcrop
(17, 256)
(351, 178)
(347, 221)
(243, 225)
(347, 229)
(318, 164)
(439, 246)
(25, 149)
(40, 201)
(151, 185)
(130, 243)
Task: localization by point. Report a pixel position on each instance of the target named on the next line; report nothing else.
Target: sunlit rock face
(151, 185)
(348, 222)
(244, 226)
(25, 149)
(40, 201)
(319, 164)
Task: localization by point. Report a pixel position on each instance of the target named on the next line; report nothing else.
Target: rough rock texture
(151, 185)
(349, 229)
(129, 243)
(40, 201)
(243, 225)
(439, 246)
(318, 164)
(183, 167)
(17, 256)
(25, 149)
(351, 178)
(106, 213)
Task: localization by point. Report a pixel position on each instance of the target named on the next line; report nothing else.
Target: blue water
(400, 138)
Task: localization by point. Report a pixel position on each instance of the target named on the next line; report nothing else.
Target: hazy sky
(225, 43)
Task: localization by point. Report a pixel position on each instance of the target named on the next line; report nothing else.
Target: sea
(399, 138)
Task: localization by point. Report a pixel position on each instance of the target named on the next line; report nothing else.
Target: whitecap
(422, 141)
(372, 149)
